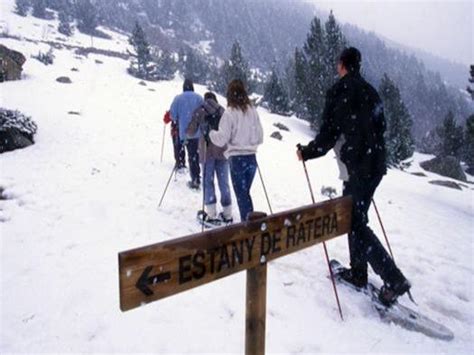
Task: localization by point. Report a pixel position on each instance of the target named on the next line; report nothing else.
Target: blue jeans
(219, 167)
(242, 172)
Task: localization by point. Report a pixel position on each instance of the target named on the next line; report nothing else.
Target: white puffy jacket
(242, 132)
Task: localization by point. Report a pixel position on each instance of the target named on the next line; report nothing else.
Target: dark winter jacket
(353, 124)
(207, 117)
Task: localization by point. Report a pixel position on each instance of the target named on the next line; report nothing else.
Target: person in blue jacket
(181, 112)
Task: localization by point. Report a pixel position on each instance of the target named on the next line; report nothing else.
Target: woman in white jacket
(241, 130)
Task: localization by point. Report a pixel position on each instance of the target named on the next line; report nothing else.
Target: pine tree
(166, 65)
(57, 5)
(289, 82)
(275, 95)
(471, 80)
(335, 43)
(142, 51)
(236, 67)
(64, 26)
(39, 8)
(299, 105)
(22, 7)
(86, 15)
(316, 74)
(450, 137)
(398, 137)
(195, 67)
(469, 144)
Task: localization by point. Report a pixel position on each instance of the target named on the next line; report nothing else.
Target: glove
(299, 151)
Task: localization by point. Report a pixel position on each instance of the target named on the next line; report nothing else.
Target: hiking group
(353, 124)
(224, 141)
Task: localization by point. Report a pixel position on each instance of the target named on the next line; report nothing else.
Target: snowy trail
(90, 186)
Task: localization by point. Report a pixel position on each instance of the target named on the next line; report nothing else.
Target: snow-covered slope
(90, 186)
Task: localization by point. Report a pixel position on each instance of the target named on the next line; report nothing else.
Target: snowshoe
(207, 221)
(348, 276)
(225, 220)
(389, 293)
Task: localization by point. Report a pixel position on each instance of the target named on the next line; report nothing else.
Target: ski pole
(204, 183)
(264, 188)
(167, 184)
(383, 229)
(163, 143)
(324, 245)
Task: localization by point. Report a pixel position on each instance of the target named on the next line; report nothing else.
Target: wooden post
(256, 308)
(256, 304)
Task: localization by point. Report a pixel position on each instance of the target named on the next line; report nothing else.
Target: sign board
(160, 270)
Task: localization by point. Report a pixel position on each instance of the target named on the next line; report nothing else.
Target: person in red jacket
(179, 152)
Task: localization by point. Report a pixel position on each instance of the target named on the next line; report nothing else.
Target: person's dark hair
(188, 85)
(210, 95)
(237, 96)
(350, 59)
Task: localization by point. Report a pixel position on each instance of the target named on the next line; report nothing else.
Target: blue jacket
(182, 110)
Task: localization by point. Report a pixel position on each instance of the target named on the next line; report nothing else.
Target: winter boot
(194, 185)
(390, 292)
(208, 221)
(211, 210)
(357, 278)
(226, 215)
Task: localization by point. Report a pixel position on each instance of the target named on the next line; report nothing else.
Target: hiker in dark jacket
(206, 117)
(354, 124)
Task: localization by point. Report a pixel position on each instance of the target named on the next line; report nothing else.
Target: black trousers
(179, 152)
(364, 246)
(193, 159)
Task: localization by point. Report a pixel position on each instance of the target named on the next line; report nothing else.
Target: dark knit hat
(210, 95)
(351, 58)
(188, 85)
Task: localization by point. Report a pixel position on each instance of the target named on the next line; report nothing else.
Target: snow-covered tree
(64, 26)
(39, 8)
(299, 102)
(450, 136)
(471, 80)
(166, 65)
(398, 137)
(335, 43)
(86, 15)
(236, 67)
(275, 95)
(316, 73)
(195, 67)
(469, 144)
(22, 7)
(142, 57)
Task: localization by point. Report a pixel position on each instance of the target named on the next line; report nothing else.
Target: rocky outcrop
(277, 135)
(16, 130)
(445, 166)
(446, 183)
(64, 80)
(11, 64)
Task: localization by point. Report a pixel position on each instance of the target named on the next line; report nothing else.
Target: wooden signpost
(160, 270)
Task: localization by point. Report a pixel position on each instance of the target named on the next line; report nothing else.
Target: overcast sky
(442, 27)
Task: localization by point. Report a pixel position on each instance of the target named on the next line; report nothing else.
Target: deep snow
(90, 186)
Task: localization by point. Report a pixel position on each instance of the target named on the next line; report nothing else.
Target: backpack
(214, 119)
(211, 123)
